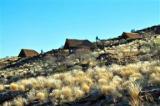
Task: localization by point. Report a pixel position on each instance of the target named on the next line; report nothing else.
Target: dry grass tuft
(1, 87)
(106, 89)
(85, 87)
(78, 93)
(19, 101)
(66, 92)
(41, 96)
(14, 87)
(134, 90)
(56, 93)
(7, 103)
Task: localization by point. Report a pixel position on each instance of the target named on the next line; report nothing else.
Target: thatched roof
(131, 35)
(75, 43)
(27, 53)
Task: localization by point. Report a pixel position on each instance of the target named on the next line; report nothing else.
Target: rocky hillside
(120, 72)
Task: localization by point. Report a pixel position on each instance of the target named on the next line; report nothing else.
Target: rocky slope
(124, 74)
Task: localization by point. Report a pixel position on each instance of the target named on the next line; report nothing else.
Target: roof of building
(75, 43)
(28, 53)
(131, 35)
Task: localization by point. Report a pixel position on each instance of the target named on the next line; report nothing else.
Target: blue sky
(45, 24)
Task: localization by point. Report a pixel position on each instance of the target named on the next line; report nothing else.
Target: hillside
(119, 71)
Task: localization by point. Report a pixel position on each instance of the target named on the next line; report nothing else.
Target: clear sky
(45, 24)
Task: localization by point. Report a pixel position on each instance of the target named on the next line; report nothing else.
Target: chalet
(27, 53)
(126, 35)
(74, 44)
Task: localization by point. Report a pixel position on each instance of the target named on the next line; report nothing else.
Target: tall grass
(134, 90)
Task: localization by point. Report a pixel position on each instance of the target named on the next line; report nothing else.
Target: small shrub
(1, 87)
(134, 90)
(85, 87)
(66, 92)
(14, 87)
(41, 96)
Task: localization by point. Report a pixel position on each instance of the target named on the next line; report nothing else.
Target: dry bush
(85, 87)
(78, 93)
(134, 90)
(19, 101)
(66, 93)
(14, 87)
(7, 103)
(106, 89)
(42, 95)
(1, 87)
(56, 93)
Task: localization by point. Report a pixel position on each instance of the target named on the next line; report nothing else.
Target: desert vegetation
(73, 85)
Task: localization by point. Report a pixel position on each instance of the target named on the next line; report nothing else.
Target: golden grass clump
(106, 89)
(145, 70)
(105, 74)
(99, 73)
(68, 80)
(50, 83)
(31, 95)
(126, 72)
(157, 69)
(134, 90)
(154, 78)
(78, 73)
(102, 81)
(92, 63)
(78, 93)
(85, 87)
(126, 84)
(135, 67)
(88, 81)
(90, 72)
(135, 76)
(41, 95)
(56, 76)
(114, 68)
(2, 87)
(53, 83)
(62, 76)
(19, 101)
(28, 83)
(14, 86)
(116, 82)
(78, 80)
(66, 92)
(102, 69)
(40, 82)
(7, 103)
(117, 78)
(21, 88)
(56, 93)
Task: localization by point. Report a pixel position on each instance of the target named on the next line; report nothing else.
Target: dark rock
(98, 99)
(150, 94)
(38, 103)
(5, 96)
